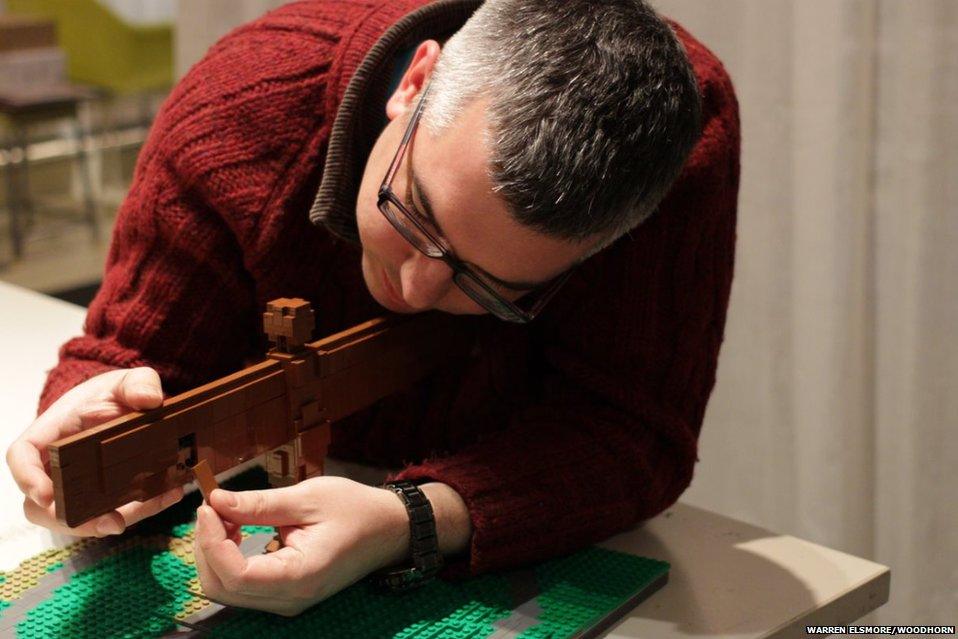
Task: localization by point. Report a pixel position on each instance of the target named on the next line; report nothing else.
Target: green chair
(103, 50)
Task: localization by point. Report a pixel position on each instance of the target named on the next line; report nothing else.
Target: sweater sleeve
(630, 351)
(197, 232)
(174, 295)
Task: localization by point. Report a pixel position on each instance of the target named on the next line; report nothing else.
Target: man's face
(447, 174)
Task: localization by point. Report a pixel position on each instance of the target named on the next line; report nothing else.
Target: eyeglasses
(422, 233)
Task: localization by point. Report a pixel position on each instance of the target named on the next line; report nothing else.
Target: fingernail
(230, 499)
(39, 497)
(108, 527)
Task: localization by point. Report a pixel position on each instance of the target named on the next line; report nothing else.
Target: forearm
(580, 477)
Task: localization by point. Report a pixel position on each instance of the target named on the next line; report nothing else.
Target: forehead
(453, 169)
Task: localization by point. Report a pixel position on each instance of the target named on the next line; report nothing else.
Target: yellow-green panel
(102, 49)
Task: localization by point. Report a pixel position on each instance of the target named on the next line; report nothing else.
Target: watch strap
(423, 540)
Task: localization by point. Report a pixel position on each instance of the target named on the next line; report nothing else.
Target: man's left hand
(334, 531)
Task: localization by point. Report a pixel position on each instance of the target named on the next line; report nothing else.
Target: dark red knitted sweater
(558, 433)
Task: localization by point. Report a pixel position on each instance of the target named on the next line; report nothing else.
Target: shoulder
(711, 73)
(715, 85)
(256, 86)
(249, 119)
(713, 165)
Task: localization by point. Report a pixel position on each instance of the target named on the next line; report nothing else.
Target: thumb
(274, 507)
(139, 389)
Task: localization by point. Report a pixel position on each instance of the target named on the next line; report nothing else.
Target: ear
(414, 79)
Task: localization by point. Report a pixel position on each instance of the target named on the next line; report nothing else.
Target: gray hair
(593, 109)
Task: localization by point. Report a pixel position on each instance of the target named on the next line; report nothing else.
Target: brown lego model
(281, 407)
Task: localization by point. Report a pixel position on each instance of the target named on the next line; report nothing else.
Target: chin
(456, 310)
(375, 290)
(404, 310)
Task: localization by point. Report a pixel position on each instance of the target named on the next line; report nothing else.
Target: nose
(424, 281)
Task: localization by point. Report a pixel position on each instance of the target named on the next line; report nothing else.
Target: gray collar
(361, 113)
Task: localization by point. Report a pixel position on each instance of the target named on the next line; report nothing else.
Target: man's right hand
(95, 401)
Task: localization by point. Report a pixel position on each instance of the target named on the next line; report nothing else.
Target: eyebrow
(519, 286)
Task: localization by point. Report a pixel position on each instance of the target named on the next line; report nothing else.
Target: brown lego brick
(137, 456)
(279, 466)
(382, 362)
(274, 545)
(205, 479)
(230, 442)
(271, 427)
(299, 371)
(314, 445)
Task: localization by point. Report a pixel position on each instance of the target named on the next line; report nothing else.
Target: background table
(32, 328)
(728, 579)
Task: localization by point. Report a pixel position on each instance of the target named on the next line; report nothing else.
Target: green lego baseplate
(144, 584)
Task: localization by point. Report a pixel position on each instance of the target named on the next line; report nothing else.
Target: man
(517, 176)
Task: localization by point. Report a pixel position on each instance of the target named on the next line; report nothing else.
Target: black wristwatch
(426, 560)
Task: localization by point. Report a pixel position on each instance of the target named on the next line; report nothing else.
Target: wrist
(426, 560)
(394, 542)
(453, 524)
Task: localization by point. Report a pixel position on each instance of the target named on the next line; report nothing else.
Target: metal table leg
(15, 197)
(86, 180)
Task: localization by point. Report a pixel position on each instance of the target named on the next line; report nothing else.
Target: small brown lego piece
(274, 544)
(205, 479)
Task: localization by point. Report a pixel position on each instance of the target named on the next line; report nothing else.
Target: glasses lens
(408, 228)
(481, 295)
(534, 302)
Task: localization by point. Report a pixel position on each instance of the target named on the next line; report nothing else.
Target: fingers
(229, 578)
(234, 532)
(222, 555)
(26, 466)
(112, 523)
(54, 423)
(86, 405)
(139, 388)
(91, 403)
(139, 510)
(273, 507)
(109, 524)
(26, 455)
(212, 586)
(113, 394)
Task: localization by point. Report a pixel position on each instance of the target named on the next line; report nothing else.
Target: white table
(728, 578)
(32, 329)
(732, 579)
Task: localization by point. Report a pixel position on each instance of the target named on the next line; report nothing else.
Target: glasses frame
(438, 247)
